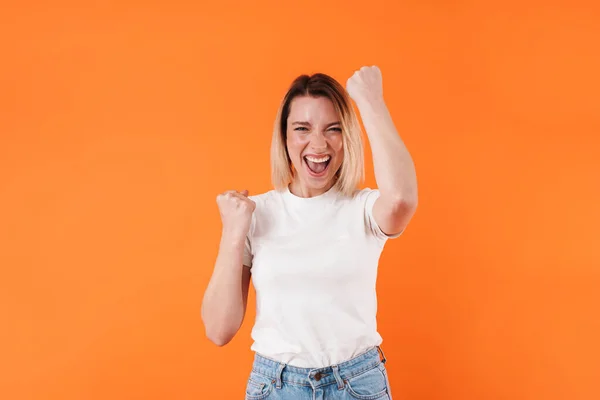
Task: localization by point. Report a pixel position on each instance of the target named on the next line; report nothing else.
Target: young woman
(312, 245)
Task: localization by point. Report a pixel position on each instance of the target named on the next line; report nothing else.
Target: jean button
(318, 376)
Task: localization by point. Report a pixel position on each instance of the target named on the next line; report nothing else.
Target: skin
(225, 300)
(226, 296)
(394, 168)
(313, 128)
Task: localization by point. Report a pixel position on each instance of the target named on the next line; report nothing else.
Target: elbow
(405, 204)
(218, 336)
(217, 333)
(219, 339)
(412, 204)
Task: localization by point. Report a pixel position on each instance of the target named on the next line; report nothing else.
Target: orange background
(119, 125)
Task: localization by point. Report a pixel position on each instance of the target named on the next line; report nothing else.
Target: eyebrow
(304, 123)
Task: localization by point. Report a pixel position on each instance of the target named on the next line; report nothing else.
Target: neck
(300, 189)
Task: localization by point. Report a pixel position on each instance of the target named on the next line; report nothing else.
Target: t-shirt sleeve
(368, 197)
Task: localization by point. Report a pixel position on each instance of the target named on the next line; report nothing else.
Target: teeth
(318, 160)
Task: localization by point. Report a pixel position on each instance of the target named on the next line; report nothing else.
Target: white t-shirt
(314, 267)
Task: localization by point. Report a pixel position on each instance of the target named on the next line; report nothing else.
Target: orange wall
(119, 125)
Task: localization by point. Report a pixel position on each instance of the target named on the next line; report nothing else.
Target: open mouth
(317, 166)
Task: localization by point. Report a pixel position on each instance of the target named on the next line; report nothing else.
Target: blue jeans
(361, 378)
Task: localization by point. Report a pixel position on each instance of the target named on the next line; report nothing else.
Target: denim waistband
(315, 377)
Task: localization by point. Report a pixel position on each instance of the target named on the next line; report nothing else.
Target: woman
(313, 243)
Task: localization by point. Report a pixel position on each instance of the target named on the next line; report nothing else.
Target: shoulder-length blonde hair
(351, 172)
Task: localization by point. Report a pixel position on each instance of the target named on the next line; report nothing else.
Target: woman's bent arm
(224, 303)
(226, 296)
(394, 168)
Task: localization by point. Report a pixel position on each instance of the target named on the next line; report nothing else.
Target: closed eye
(300, 128)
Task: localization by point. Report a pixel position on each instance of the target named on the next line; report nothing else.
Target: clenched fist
(236, 213)
(365, 85)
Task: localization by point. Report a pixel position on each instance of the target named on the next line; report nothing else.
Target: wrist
(232, 239)
(372, 105)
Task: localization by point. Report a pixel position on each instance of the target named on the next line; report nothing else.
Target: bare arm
(226, 296)
(394, 168)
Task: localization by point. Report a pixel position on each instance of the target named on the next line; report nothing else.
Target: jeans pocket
(369, 385)
(258, 387)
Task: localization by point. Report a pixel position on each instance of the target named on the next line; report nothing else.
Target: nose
(318, 141)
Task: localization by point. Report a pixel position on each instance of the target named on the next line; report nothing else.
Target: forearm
(394, 168)
(223, 306)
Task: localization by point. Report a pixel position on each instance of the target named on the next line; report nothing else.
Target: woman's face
(314, 143)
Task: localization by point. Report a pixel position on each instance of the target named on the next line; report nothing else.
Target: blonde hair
(351, 172)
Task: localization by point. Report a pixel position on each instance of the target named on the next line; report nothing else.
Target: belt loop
(383, 359)
(338, 378)
(279, 373)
